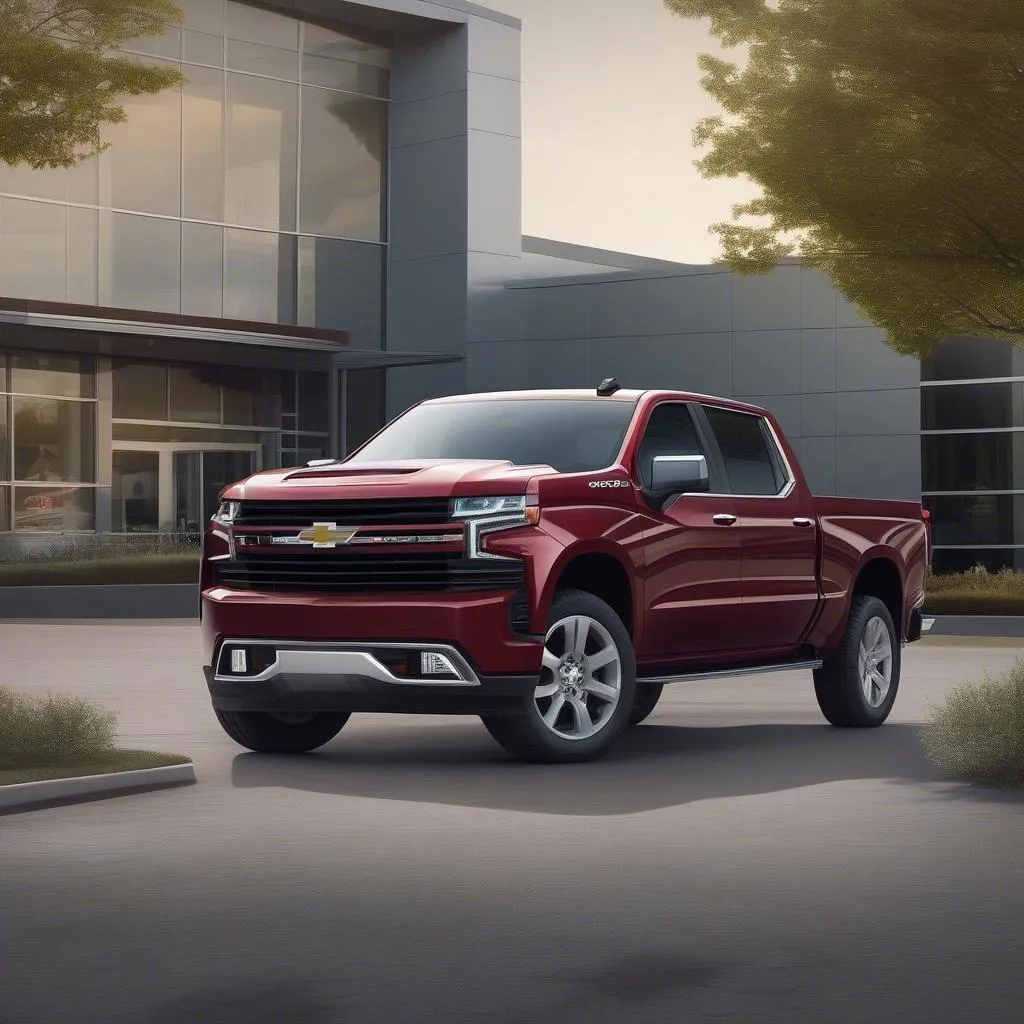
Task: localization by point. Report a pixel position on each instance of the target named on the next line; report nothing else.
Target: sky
(611, 95)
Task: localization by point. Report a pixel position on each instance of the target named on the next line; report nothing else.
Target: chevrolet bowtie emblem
(325, 535)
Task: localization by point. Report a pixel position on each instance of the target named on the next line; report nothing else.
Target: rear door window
(752, 464)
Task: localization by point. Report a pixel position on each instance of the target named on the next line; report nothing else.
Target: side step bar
(727, 673)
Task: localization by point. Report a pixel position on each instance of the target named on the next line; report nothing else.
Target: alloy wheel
(581, 678)
(874, 662)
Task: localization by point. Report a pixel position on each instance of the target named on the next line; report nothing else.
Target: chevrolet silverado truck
(550, 561)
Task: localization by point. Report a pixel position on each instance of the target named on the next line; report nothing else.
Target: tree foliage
(888, 140)
(59, 80)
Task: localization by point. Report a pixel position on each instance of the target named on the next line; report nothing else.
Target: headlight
(227, 512)
(509, 505)
(489, 515)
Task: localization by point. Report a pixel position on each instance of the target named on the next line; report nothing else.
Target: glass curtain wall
(255, 192)
(972, 437)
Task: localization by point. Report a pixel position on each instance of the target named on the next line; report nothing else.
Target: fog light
(238, 660)
(434, 664)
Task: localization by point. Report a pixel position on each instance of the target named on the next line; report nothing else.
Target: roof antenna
(608, 387)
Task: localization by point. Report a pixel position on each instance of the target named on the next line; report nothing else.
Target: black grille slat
(350, 573)
(363, 512)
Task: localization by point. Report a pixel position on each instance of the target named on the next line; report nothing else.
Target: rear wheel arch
(879, 576)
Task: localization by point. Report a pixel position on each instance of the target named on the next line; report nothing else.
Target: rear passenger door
(777, 530)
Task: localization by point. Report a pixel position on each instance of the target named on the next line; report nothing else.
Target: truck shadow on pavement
(652, 767)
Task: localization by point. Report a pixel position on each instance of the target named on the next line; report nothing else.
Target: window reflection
(203, 144)
(33, 256)
(135, 497)
(140, 266)
(259, 276)
(144, 158)
(972, 406)
(5, 440)
(54, 508)
(262, 153)
(195, 394)
(343, 144)
(962, 358)
(263, 60)
(203, 15)
(53, 440)
(59, 376)
(202, 269)
(976, 519)
(343, 284)
(139, 391)
(257, 26)
(972, 462)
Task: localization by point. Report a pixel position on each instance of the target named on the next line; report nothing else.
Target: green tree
(60, 81)
(888, 140)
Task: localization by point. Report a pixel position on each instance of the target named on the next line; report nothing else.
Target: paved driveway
(735, 859)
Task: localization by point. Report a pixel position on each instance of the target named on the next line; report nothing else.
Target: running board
(728, 673)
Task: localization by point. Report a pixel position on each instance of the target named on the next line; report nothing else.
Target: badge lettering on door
(609, 483)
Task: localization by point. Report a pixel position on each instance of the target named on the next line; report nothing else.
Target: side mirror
(679, 474)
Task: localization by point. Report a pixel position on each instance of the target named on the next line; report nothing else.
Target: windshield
(571, 436)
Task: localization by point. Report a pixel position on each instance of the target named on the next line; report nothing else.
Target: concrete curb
(29, 795)
(115, 601)
(1011, 626)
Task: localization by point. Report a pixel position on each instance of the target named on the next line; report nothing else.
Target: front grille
(351, 573)
(364, 512)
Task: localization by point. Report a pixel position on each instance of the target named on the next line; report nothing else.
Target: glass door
(135, 492)
(199, 477)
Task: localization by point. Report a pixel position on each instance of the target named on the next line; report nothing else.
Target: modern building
(322, 226)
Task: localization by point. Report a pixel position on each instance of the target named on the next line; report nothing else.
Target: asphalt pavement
(733, 859)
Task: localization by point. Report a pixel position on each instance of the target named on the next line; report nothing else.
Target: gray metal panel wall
(455, 197)
(786, 341)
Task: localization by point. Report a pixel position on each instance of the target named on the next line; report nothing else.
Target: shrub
(52, 730)
(978, 732)
(975, 592)
(978, 580)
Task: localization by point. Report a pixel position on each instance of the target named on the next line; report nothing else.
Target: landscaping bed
(127, 569)
(97, 764)
(975, 592)
(63, 736)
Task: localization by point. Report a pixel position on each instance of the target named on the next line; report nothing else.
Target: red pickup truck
(549, 560)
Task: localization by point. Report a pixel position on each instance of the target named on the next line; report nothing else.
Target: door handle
(801, 521)
(724, 519)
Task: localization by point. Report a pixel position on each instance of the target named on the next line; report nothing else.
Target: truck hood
(363, 480)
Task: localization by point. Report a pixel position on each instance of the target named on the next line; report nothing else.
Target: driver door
(692, 561)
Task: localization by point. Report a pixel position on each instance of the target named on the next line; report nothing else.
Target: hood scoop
(341, 473)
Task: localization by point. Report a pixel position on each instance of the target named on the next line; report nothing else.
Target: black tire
(268, 734)
(524, 734)
(838, 683)
(646, 700)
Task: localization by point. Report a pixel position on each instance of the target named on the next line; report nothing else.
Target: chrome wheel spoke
(609, 694)
(581, 719)
(605, 656)
(576, 632)
(552, 713)
(546, 690)
(551, 662)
